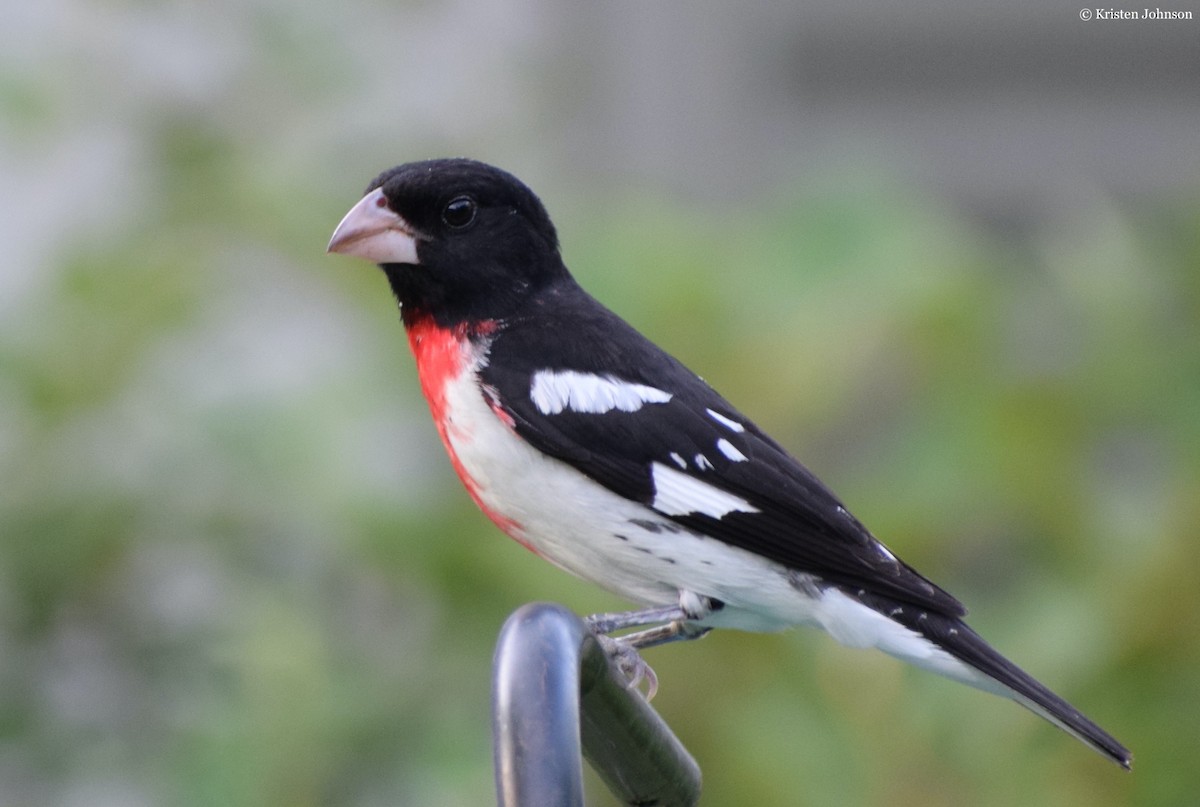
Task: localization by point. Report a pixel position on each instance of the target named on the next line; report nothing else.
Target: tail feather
(1005, 678)
(981, 666)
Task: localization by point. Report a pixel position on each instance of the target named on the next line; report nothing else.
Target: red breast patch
(442, 357)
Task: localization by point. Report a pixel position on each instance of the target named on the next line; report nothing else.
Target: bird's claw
(630, 664)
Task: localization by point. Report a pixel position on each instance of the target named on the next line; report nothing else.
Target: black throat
(450, 299)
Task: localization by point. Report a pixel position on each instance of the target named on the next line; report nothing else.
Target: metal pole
(555, 699)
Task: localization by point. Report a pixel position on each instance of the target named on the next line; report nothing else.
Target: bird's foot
(630, 664)
(673, 623)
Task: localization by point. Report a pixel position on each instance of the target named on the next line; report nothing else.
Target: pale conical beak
(371, 230)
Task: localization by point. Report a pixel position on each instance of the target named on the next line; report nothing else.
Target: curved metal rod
(555, 698)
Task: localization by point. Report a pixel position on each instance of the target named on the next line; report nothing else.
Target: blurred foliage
(237, 570)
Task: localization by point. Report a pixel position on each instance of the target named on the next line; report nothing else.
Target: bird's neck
(452, 294)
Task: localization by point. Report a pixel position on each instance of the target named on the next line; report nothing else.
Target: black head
(458, 239)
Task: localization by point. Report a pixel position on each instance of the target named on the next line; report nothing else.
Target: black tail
(1006, 678)
(984, 668)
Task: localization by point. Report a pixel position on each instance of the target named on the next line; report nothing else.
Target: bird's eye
(459, 212)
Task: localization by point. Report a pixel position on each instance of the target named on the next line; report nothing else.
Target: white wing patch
(677, 494)
(702, 463)
(553, 391)
(730, 450)
(732, 425)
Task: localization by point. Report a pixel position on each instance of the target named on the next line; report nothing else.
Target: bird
(606, 456)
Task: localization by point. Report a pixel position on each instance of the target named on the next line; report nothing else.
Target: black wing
(799, 522)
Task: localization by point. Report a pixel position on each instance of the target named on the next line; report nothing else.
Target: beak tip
(335, 241)
(373, 232)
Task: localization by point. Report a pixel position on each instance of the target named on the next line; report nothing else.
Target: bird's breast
(448, 362)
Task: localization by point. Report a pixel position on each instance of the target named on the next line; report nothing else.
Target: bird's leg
(675, 631)
(679, 626)
(692, 607)
(607, 623)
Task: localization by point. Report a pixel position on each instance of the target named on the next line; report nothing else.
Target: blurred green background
(951, 259)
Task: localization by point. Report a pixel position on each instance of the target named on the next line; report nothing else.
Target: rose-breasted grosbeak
(591, 446)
